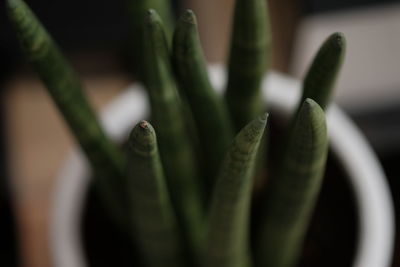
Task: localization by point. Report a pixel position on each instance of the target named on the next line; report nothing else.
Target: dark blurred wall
(76, 25)
(316, 6)
(8, 229)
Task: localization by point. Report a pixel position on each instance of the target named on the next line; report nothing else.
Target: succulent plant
(184, 196)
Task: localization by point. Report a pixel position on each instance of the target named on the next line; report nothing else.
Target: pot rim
(368, 181)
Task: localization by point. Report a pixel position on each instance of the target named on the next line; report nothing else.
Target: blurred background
(34, 141)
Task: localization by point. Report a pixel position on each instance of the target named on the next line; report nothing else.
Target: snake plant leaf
(175, 147)
(249, 58)
(153, 221)
(108, 163)
(322, 74)
(291, 195)
(215, 131)
(138, 9)
(228, 244)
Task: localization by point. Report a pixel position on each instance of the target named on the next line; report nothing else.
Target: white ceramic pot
(373, 201)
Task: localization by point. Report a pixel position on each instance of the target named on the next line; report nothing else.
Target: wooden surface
(38, 142)
(214, 18)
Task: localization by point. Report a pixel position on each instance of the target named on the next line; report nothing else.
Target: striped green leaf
(138, 9)
(322, 74)
(209, 110)
(153, 221)
(292, 194)
(249, 59)
(65, 88)
(228, 244)
(175, 147)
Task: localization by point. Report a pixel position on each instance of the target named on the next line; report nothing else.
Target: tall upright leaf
(136, 10)
(292, 194)
(320, 79)
(322, 74)
(152, 217)
(209, 110)
(65, 88)
(228, 244)
(175, 147)
(249, 59)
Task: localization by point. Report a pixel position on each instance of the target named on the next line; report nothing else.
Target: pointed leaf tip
(310, 106)
(143, 137)
(338, 39)
(259, 123)
(189, 17)
(13, 4)
(251, 134)
(152, 16)
(257, 126)
(264, 117)
(10, 3)
(16, 9)
(322, 74)
(150, 12)
(312, 117)
(309, 103)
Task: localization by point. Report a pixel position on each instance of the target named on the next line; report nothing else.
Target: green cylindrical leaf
(168, 119)
(153, 221)
(138, 9)
(292, 194)
(228, 244)
(65, 88)
(209, 110)
(249, 59)
(322, 74)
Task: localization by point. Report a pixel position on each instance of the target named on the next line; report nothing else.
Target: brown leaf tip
(144, 124)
